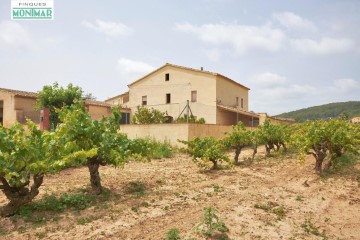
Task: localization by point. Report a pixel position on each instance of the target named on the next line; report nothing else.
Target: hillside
(351, 109)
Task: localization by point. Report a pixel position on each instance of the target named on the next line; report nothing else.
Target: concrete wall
(172, 132)
(180, 85)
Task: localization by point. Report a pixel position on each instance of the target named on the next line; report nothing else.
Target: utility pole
(187, 111)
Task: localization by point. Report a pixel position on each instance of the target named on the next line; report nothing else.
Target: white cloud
(241, 37)
(347, 84)
(268, 79)
(131, 70)
(111, 29)
(292, 21)
(14, 35)
(213, 55)
(323, 47)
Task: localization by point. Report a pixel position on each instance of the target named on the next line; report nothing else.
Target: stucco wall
(180, 85)
(227, 92)
(25, 108)
(161, 132)
(98, 112)
(9, 116)
(172, 132)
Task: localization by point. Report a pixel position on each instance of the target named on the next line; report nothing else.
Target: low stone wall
(172, 132)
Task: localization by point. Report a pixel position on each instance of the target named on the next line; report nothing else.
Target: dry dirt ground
(176, 193)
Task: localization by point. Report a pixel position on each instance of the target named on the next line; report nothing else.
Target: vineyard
(85, 180)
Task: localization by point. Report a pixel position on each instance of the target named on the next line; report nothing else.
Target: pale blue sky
(292, 54)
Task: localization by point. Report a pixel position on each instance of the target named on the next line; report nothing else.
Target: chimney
(202, 68)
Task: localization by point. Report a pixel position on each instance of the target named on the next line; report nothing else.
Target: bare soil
(177, 192)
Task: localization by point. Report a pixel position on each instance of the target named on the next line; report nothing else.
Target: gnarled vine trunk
(215, 165)
(237, 153)
(95, 181)
(254, 152)
(21, 195)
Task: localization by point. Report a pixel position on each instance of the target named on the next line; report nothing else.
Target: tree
(85, 134)
(327, 141)
(208, 149)
(29, 154)
(55, 97)
(274, 136)
(238, 139)
(190, 119)
(144, 115)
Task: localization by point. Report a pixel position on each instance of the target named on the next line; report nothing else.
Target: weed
(40, 234)
(21, 229)
(310, 228)
(40, 211)
(136, 188)
(299, 198)
(172, 234)
(145, 204)
(83, 221)
(211, 224)
(217, 188)
(134, 209)
(279, 211)
(2, 231)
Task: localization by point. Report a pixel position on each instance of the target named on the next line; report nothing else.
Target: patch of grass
(40, 234)
(39, 212)
(310, 228)
(299, 198)
(3, 232)
(172, 234)
(134, 209)
(217, 188)
(83, 221)
(145, 204)
(136, 188)
(279, 211)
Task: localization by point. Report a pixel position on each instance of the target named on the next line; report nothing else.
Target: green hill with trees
(331, 110)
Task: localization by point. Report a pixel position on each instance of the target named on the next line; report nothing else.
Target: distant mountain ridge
(331, 110)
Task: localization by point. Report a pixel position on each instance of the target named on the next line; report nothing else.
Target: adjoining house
(177, 90)
(17, 106)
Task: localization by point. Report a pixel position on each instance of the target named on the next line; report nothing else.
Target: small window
(144, 100)
(242, 103)
(237, 102)
(193, 96)
(167, 76)
(168, 98)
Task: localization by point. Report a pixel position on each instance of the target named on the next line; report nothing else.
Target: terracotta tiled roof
(190, 69)
(20, 93)
(98, 103)
(35, 95)
(109, 99)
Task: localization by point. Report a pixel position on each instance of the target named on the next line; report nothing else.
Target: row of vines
(28, 155)
(326, 141)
